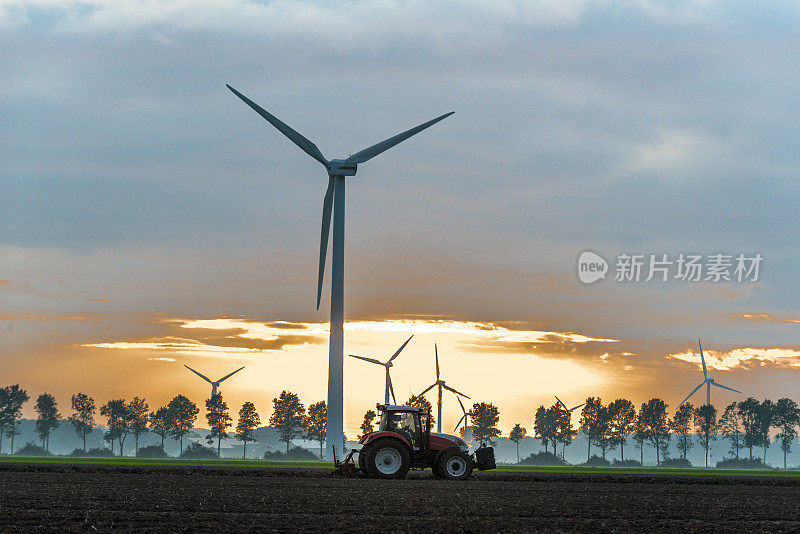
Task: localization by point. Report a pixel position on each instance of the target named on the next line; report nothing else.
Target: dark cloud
(36, 317)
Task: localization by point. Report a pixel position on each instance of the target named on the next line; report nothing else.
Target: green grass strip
(649, 470)
(227, 462)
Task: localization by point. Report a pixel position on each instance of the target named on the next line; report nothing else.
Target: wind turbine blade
(459, 421)
(462, 405)
(445, 386)
(374, 150)
(229, 375)
(327, 204)
(575, 408)
(370, 360)
(427, 390)
(436, 351)
(561, 403)
(724, 387)
(400, 349)
(391, 390)
(204, 377)
(703, 360)
(305, 145)
(692, 393)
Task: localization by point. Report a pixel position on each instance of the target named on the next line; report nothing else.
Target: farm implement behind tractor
(404, 441)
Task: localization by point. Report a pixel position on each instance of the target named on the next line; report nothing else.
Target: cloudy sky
(149, 219)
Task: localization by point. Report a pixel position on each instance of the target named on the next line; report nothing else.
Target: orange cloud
(236, 336)
(744, 358)
(763, 318)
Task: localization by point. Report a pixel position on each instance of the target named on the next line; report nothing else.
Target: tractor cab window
(404, 423)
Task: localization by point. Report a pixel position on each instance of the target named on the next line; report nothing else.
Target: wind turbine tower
(337, 170)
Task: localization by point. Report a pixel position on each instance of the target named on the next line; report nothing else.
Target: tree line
(126, 418)
(746, 425)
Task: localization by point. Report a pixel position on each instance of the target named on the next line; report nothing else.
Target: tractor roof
(396, 408)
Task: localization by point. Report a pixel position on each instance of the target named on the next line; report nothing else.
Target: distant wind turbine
(707, 381)
(464, 418)
(334, 201)
(214, 383)
(570, 410)
(387, 365)
(441, 385)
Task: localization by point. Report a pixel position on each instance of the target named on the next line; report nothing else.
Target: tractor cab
(407, 421)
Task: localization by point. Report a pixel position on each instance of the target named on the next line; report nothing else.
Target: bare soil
(191, 499)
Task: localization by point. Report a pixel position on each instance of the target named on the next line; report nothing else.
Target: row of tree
(174, 420)
(747, 425)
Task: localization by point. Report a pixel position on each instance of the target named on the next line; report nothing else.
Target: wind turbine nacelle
(340, 167)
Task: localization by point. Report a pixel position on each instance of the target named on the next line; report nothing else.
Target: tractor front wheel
(386, 458)
(454, 465)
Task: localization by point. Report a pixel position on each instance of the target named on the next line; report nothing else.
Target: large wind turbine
(707, 381)
(387, 365)
(334, 200)
(214, 383)
(441, 385)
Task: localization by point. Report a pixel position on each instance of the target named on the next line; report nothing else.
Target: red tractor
(404, 441)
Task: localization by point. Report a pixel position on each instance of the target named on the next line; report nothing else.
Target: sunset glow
(150, 222)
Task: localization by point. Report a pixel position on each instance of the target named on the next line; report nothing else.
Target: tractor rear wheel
(386, 458)
(454, 465)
